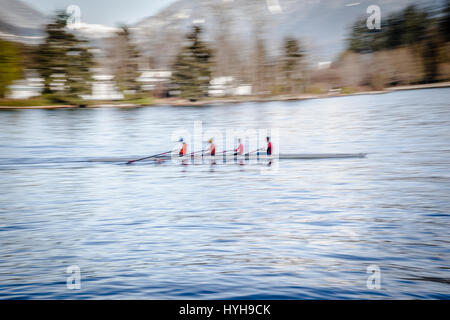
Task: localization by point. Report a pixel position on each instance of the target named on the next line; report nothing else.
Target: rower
(183, 150)
(212, 147)
(269, 147)
(240, 149)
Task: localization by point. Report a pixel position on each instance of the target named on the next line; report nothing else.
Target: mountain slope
(322, 24)
(20, 22)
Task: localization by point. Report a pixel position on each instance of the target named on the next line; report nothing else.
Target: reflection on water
(169, 231)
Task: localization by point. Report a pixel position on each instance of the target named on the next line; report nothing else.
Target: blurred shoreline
(218, 101)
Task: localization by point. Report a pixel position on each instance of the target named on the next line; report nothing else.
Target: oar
(260, 149)
(191, 154)
(156, 155)
(223, 152)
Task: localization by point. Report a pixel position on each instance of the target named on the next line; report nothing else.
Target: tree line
(415, 39)
(66, 64)
(411, 47)
(196, 63)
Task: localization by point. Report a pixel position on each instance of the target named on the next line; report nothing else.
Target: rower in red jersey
(269, 147)
(212, 147)
(183, 150)
(212, 151)
(240, 149)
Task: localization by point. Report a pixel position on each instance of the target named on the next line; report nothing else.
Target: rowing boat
(255, 157)
(297, 156)
(322, 156)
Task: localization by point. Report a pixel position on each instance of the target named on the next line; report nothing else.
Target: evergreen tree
(405, 28)
(292, 64)
(62, 56)
(394, 32)
(430, 57)
(414, 24)
(359, 40)
(192, 68)
(363, 40)
(10, 69)
(422, 30)
(445, 22)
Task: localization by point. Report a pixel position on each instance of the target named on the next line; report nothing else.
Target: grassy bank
(33, 102)
(144, 100)
(295, 97)
(43, 102)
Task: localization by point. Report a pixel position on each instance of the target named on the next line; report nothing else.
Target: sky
(107, 12)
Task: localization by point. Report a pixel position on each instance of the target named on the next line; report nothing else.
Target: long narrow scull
(293, 156)
(247, 157)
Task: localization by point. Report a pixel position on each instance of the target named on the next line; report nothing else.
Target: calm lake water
(307, 230)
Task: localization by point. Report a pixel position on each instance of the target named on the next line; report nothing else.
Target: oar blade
(156, 155)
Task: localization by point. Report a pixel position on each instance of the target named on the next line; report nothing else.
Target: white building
(151, 79)
(225, 86)
(104, 88)
(220, 86)
(242, 90)
(323, 65)
(29, 87)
